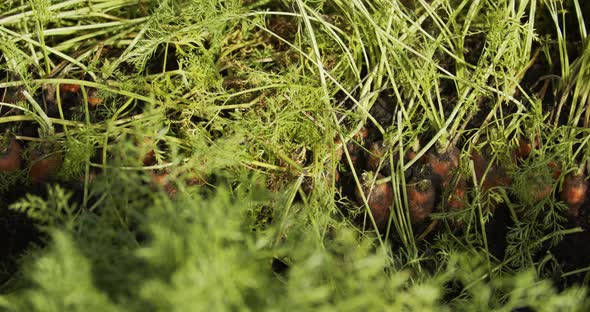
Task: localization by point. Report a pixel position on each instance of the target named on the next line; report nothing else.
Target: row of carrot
(437, 182)
(43, 163)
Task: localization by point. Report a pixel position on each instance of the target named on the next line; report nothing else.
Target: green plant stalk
(108, 88)
(480, 214)
(405, 224)
(42, 44)
(79, 12)
(45, 122)
(288, 206)
(49, 49)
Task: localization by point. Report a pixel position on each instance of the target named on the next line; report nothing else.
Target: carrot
(10, 159)
(353, 147)
(495, 176)
(524, 148)
(362, 134)
(443, 165)
(355, 153)
(490, 178)
(555, 168)
(573, 192)
(146, 146)
(533, 184)
(456, 201)
(44, 167)
(411, 155)
(376, 152)
(457, 197)
(162, 179)
(149, 159)
(94, 101)
(379, 197)
(540, 191)
(420, 200)
(66, 87)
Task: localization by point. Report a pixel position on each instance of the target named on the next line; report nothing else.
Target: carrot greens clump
(305, 155)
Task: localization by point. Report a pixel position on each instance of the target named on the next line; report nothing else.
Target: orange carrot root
(420, 200)
(443, 165)
(457, 198)
(376, 153)
(11, 159)
(380, 199)
(574, 192)
(45, 167)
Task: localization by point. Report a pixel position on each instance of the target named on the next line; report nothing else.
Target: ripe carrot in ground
(443, 165)
(496, 175)
(149, 158)
(555, 168)
(457, 197)
(44, 167)
(338, 151)
(66, 87)
(355, 153)
(574, 192)
(376, 153)
(10, 159)
(380, 198)
(146, 146)
(354, 146)
(420, 200)
(93, 101)
(161, 178)
(540, 191)
(533, 183)
(93, 98)
(456, 201)
(362, 134)
(524, 148)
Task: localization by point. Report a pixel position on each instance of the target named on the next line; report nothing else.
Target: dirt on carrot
(379, 197)
(574, 192)
(421, 199)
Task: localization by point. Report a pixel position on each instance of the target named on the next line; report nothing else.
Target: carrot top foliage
(265, 155)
